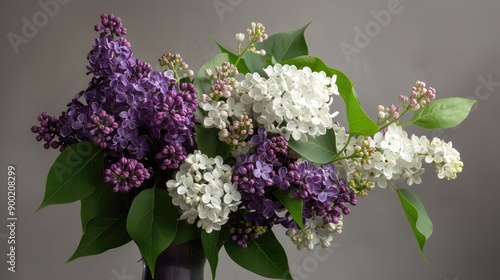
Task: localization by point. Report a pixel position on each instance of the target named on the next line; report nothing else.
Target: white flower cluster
(394, 155)
(445, 158)
(202, 189)
(293, 102)
(315, 232)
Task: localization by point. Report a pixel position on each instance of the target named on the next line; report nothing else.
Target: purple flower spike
(126, 174)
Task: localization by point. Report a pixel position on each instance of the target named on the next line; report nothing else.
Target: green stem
(342, 158)
(336, 158)
(393, 186)
(240, 56)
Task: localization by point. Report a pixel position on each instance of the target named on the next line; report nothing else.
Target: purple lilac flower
(48, 131)
(255, 174)
(171, 156)
(104, 125)
(126, 174)
(128, 109)
(241, 230)
(110, 25)
(322, 192)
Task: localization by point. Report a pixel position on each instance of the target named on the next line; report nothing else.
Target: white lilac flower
(315, 232)
(203, 190)
(445, 158)
(217, 114)
(397, 156)
(293, 102)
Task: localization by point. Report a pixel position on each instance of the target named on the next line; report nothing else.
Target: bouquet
(247, 143)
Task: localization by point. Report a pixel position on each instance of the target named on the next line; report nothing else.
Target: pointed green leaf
(320, 149)
(209, 143)
(255, 63)
(74, 174)
(185, 232)
(417, 216)
(102, 203)
(152, 223)
(212, 243)
(293, 205)
(278, 47)
(101, 235)
(443, 113)
(242, 67)
(263, 256)
(359, 122)
(283, 46)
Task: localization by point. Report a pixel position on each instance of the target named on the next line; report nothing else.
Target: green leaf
(152, 223)
(74, 174)
(417, 216)
(278, 47)
(320, 149)
(212, 243)
(202, 82)
(242, 67)
(263, 256)
(102, 203)
(101, 235)
(209, 143)
(293, 205)
(185, 232)
(255, 63)
(443, 113)
(359, 122)
(283, 46)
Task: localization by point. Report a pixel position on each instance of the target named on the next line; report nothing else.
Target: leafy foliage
(417, 216)
(443, 113)
(263, 256)
(320, 149)
(74, 174)
(152, 224)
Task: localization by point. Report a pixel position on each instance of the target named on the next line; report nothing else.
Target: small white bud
(190, 73)
(240, 37)
(262, 52)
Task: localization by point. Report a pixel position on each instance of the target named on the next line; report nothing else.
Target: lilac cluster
(126, 174)
(255, 172)
(48, 131)
(110, 25)
(269, 167)
(420, 96)
(322, 192)
(241, 230)
(129, 110)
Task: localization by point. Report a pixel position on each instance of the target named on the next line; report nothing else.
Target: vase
(184, 261)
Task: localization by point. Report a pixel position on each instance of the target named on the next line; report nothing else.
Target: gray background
(452, 45)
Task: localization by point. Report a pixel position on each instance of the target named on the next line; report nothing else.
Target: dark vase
(179, 262)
